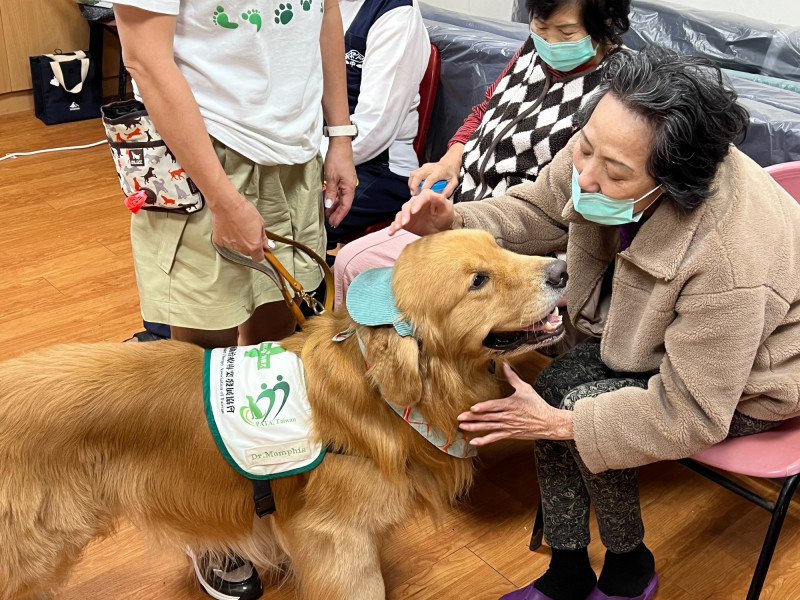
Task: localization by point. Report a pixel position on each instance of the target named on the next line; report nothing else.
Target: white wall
(780, 12)
(495, 9)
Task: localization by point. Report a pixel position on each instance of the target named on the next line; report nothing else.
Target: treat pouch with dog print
(258, 411)
(145, 163)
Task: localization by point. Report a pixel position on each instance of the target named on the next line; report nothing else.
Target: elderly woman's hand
(424, 214)
(446, 168)
(523, 415)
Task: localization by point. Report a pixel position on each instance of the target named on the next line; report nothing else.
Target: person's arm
(449, 166)
(340, 171)
(397, 55)
(527, 220)
(710, 348)
(147, 47)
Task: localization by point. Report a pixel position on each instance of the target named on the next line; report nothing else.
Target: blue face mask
(564, 56)
(601, 209)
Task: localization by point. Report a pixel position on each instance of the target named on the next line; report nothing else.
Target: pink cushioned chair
(788, 177)
(773, 454)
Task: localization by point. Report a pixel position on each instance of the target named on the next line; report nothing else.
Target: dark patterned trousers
(567, 486)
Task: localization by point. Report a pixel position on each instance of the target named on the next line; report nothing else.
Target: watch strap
(340, 130)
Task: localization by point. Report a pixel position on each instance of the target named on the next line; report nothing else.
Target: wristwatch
(340, 130)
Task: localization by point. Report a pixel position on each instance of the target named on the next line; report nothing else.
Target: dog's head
(461, 300)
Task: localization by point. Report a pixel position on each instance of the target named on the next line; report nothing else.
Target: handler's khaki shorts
(184, 282)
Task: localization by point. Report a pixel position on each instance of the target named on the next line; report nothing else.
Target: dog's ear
(394, 364)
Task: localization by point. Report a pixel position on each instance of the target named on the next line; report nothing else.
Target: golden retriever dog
(92, 433)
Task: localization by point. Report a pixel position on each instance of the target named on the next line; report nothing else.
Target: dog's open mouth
(537, 334)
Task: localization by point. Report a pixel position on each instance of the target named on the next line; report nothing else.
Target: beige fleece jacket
(709, 299)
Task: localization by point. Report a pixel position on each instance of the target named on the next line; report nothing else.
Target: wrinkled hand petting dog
(524, 415)
(94, 433)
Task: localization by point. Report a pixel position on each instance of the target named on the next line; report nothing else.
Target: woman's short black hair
(605, 20)
(694, 116)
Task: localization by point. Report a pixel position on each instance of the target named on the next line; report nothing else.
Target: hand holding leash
(293, 293)
(237, 224)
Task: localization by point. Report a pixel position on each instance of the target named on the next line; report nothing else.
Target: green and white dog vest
(258, 411)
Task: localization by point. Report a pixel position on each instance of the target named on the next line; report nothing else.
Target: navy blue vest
(355, 48)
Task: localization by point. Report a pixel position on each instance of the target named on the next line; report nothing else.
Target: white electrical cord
(16, 154)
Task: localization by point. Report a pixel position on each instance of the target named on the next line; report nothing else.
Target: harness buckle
(263, 498)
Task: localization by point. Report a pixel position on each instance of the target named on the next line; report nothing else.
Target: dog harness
(259, 415)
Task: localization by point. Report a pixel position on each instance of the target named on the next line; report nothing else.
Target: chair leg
(96, 50)
(538, 530)
(122, 77)
(122, 83)
(771, 539)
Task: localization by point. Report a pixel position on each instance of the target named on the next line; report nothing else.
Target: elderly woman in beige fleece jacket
(684, 268)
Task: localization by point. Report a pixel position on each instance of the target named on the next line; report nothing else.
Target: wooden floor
(66, 275)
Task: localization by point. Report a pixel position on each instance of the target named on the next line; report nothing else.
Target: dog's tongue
(551, 323)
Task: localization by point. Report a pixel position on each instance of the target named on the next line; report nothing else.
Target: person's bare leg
(216, 338)
(270, 322)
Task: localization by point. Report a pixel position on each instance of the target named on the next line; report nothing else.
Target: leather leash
(292, 290)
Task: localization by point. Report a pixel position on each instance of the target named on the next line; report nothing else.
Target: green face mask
(564, 56)
(603, 210)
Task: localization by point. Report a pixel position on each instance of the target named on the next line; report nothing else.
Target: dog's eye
(478, 281)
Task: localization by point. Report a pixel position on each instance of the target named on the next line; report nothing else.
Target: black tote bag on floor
(65, 87)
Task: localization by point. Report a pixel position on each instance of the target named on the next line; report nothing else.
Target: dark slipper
(144, 336)
(647, 594)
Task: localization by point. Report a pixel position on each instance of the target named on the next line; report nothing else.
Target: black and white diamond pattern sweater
(528, 120)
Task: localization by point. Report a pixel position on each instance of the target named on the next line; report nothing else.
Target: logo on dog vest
(255, 413)
(74, 106)
(258, 410)
(263, 353)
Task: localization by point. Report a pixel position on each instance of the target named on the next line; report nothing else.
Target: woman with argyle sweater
(526, 119)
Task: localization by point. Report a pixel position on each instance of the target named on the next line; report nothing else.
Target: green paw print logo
(306, 4)
(283, 14)
(253, 16)
(221, 18)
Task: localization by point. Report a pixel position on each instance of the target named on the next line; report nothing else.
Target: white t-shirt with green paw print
(255, 68)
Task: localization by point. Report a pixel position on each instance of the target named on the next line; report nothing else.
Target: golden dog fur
(91, 433)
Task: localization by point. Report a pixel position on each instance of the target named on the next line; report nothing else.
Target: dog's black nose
(557, 274)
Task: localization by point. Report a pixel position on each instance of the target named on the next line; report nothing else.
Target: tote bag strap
(56, 59)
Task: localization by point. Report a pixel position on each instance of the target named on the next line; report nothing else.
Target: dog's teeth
(555, 311)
